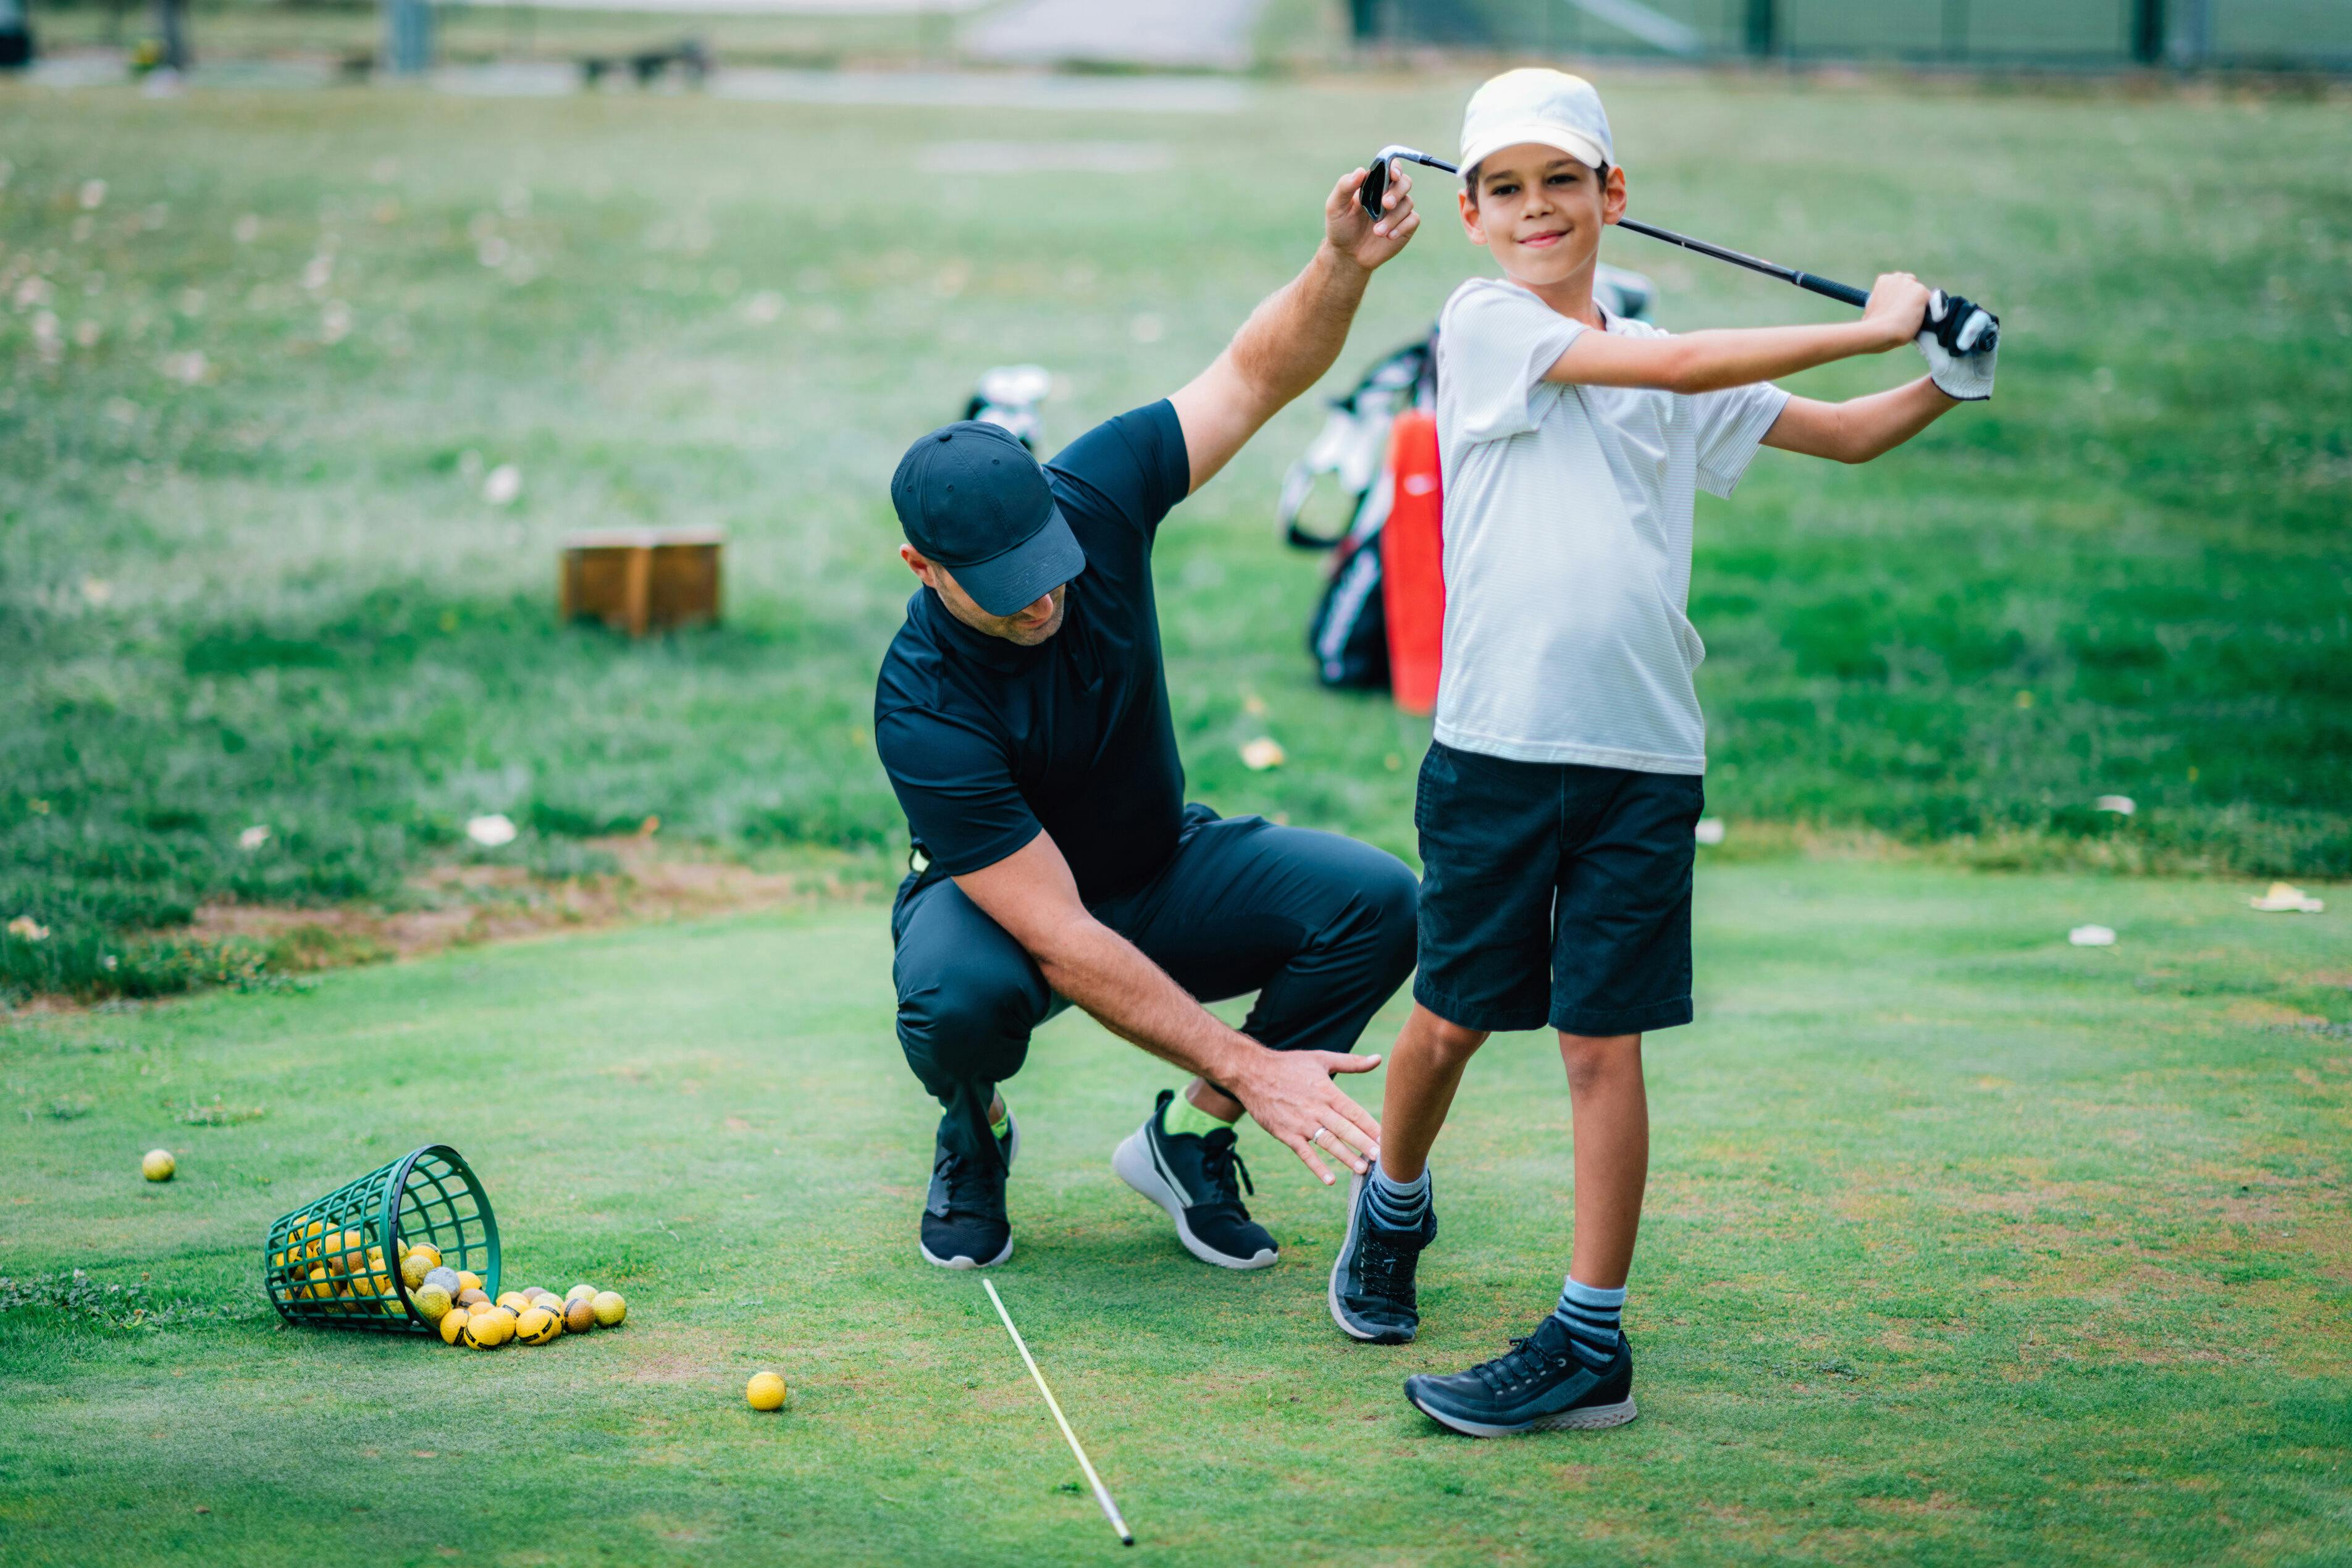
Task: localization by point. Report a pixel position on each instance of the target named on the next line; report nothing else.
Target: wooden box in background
(641, 579)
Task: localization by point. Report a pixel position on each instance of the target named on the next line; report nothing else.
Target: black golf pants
(1319, 925)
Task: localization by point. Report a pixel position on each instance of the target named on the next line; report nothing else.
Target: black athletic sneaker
(1194, 1178)
(1371, 1279)
(964, 1224)
(1541, 1385)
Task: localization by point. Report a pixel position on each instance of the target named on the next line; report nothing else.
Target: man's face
(1541, 212)
(1028, 626)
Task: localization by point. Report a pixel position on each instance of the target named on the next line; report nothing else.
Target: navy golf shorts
(1554, 893)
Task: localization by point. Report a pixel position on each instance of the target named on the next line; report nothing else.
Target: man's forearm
(1297, 332)
(1135, 999)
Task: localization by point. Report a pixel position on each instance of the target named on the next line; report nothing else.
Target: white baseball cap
(1549, 108)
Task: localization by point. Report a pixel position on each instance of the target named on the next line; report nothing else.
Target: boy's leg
(1489, 847)
(1610, 1109)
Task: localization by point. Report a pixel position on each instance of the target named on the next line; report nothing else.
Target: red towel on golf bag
(1412, 578)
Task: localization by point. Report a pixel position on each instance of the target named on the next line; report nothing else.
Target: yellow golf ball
(487, 1330)
(413, 1270)
(430, 1253)
(514, 1301)
(581, 1292)
(432, 1302)
(765, 1391)
(537, 1326)
(468, 1280)
(453, 1325)
(157, 1165)
(610, 1309)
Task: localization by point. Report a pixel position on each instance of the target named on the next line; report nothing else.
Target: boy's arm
(1737, 357)
(1862, 428)
(1296, 333)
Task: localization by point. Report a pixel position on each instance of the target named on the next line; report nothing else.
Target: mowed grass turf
(252, 391)
(1963, 1246)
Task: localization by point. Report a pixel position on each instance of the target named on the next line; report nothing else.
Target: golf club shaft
(1102, 1493)
(1845, 292)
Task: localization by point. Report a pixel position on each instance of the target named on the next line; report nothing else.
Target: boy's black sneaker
(964, 1223)
(1198, 1179)
(1371, 1280)
(1541, 1385)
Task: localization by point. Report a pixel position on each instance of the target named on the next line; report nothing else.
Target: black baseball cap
(971, 498)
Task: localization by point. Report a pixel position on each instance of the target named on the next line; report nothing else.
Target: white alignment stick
(1102, 1493)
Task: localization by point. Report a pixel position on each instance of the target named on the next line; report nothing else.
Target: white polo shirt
(1567, 540)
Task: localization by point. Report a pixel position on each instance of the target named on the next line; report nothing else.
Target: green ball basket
(337, 1261)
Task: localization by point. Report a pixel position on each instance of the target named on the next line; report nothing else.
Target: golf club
(1376, 185)
(1102, 1493)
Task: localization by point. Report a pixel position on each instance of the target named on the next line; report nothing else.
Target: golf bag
(1347, 635)
(1008, 396)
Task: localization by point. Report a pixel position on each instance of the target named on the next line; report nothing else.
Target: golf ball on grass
(537, 1326)
(766, 1391)
(610, 1309)
(579, 1316)
(453, 1325)
(489, 1330)
(157, 1165)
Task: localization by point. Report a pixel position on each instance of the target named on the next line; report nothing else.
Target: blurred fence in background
(2290, 35)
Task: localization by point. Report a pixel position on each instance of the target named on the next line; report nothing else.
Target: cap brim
(1009, 583)
(1573, 143)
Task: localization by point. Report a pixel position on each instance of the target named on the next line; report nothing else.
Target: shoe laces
(973, 1185)
(1519, 1364)
(1221, 1161)
(1387, 1270)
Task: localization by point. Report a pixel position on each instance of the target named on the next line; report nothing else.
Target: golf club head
(1375, 187)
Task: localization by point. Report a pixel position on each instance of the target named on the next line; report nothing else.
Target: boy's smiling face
(1541, 212)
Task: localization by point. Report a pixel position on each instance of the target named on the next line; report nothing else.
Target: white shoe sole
(1589, 1418)
(1132, 1160)
(960, 1260)
(1338, 1265)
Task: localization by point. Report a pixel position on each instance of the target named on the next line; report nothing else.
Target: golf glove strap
(1950, 340)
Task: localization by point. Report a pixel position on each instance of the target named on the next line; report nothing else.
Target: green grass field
(1963, 1246)
(248, 402)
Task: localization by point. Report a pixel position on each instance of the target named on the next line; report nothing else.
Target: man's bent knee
(960, 1024)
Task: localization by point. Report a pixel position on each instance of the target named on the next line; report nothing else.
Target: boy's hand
(1961, 339)
(1899, 305)
(1290, 1094)
(1362, 239)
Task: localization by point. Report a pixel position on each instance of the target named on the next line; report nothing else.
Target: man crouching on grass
(1022, 715)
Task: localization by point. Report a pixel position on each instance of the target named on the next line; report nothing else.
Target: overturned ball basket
(337, 1260)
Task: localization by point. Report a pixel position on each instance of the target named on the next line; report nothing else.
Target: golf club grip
(1845, 291)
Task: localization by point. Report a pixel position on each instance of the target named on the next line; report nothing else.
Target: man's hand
(1362, 239)
(1290, 1094)
(1898, 307)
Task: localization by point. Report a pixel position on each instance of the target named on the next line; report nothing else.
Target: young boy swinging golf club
(1558, 802)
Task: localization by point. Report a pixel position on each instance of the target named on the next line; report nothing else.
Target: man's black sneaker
(1371, 1279)
(1198, 1179)
(964, 1224)
(1541, 1385)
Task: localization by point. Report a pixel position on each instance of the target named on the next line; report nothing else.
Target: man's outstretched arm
(1290, 1093)
(1296, 333)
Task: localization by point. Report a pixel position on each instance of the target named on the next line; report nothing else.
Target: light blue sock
(1395, 1205)
(1590, 1315)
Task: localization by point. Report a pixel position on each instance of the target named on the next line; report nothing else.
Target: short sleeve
(1494, 344)
(1730, 425)
(957, 789)
(1133, 465)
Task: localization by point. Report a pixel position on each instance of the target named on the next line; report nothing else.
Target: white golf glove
(1961, 342)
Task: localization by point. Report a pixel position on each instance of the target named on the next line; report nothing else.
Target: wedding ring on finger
(1316, 1136)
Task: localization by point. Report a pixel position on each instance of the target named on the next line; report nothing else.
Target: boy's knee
(1593, 1060)
(1452, 1044)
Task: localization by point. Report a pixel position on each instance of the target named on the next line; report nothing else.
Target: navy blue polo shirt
(988, 743)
